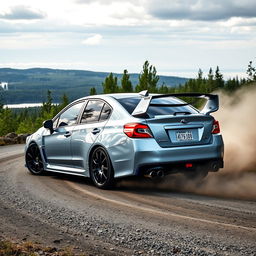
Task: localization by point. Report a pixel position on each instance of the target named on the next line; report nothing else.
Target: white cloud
(93, 40)
(206, 10)
(22, 12)
(129, 11)
(171, 34)
(107, 2)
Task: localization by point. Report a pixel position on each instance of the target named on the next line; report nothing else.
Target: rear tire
(101, 170)
(34, 160)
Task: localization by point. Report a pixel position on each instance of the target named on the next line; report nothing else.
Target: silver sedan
(105, 137)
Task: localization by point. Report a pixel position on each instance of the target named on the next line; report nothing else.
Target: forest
(28, 120)
(36, 81)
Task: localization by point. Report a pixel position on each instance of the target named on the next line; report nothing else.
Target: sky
(176, 36)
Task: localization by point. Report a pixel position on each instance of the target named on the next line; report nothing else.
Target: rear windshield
(130, 104)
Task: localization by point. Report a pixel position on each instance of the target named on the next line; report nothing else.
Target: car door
(57, 145)
(93, 120)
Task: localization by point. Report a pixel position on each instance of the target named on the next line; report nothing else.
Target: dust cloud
(237, 117)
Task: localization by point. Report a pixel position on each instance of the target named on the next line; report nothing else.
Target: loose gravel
(121, 230)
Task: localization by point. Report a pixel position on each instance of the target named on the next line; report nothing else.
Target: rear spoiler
(211, 105)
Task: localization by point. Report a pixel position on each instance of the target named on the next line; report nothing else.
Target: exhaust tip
(160, 173)
(156, 172)
(153, 174)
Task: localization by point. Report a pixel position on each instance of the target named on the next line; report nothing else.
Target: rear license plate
(184, 136)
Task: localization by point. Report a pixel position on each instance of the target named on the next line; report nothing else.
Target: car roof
(113, 95)
(116, 95)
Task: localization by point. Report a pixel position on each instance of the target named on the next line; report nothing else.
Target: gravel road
(61, 210)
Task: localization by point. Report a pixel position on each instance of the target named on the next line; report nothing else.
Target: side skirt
(67, 170)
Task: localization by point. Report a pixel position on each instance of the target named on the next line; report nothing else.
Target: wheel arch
(40, 149)
(32, 142)
(35, 168)
(90, 154)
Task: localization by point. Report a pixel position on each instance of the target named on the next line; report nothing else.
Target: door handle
(67, 134)
(95, 130)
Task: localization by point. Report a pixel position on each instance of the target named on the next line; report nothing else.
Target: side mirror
(48, 124)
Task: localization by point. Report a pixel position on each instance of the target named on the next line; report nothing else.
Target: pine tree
(251, 72)
(148, 78)
(110, 84)
(200, 74)
(126, 84)
(163, 89)
(219, 79)
(93, 91)
(64, 101)
(198, 85)
(210, 82)
(1, 99)
(47, 106)
(7, 122)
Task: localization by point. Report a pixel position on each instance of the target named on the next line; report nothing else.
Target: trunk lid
(181, 130)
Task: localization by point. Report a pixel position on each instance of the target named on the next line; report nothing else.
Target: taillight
(215, 127)
(135, 130)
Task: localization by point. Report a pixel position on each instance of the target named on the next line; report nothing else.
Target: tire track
(156, 211)
(11, 157)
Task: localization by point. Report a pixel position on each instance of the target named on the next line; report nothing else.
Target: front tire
(101, 170)
(34, 160)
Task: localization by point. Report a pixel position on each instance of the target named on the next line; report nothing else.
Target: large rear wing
(210, 106)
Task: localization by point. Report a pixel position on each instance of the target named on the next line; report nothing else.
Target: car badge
(183, 121)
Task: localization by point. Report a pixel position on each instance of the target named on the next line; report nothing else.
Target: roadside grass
(10, 248)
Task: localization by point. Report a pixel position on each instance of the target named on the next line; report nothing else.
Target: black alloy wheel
(101, 171)
(34, 160)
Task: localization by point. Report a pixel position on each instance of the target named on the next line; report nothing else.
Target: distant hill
(31, 85)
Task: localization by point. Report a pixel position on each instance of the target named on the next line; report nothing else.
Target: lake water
(25, 105)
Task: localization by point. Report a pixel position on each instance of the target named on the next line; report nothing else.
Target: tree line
(148, 80)
(30, 119)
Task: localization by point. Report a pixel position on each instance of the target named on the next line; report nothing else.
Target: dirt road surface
(61, 211)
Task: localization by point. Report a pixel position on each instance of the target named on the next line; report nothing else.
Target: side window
(105, 113)
(70, 116)
(92, 111)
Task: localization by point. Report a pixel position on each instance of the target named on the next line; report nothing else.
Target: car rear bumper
(149, 154)
(207, 165)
